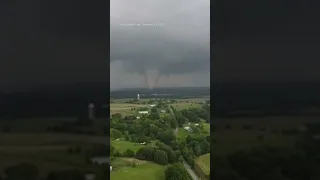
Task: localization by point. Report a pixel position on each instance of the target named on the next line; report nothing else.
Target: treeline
(193, 115)
(193, 147)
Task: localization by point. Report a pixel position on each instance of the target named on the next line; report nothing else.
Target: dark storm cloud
(177, 43)
(46, 42)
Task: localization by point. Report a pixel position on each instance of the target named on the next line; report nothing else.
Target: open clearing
(143, 170)
(122, 145)
(124, 108)
(204, 163)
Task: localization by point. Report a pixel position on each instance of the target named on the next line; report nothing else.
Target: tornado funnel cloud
(152, 77)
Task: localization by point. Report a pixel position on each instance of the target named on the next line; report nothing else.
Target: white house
(143, 112)
(196, 124)
(187, 128)
(152, 105)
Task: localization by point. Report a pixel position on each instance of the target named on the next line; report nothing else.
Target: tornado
(152, 77)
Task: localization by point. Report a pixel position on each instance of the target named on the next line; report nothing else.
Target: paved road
(185, 164)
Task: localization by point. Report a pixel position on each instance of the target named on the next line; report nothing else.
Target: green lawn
(143, 171)
(122, 145)
(204, 163)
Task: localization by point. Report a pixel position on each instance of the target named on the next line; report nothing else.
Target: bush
(160, 157)
(129, 153)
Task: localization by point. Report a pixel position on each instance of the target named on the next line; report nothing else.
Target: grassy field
(122, 169)
(124, 108)
(264, 131)
(204, 163)
(188, 103)
(122, 145)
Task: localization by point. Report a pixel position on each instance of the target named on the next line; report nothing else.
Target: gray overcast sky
(177, 44)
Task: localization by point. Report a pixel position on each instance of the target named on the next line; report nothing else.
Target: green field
(122, 145)
(204, 163)
(124, 108)
(188, 103)
(143, 171)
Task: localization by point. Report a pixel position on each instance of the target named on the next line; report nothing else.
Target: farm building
(143, 112)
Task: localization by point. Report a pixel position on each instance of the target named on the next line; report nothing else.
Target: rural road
(185, 164)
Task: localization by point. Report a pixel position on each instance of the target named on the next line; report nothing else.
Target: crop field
(142, 170)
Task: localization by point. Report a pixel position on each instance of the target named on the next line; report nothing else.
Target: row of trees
(162, 154)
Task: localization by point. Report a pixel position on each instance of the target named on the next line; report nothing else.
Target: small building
(163, 111)
(110, 168)
(187, 128)
(138, 117)
(152, 105)
(197, 124)
(143, 112)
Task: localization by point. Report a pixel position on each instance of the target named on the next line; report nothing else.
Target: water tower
(91, 111)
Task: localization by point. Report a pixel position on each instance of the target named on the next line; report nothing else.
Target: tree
(145, 153)
(176, 172)
(166, 136)
(129, 153)
(171, 154)
(160, 157)
(115, 133)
